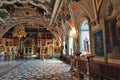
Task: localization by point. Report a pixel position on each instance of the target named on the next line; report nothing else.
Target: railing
(66, 59)
(97, 69)
(105, 70)
(101, 70)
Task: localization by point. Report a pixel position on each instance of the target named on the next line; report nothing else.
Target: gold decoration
(19, 31)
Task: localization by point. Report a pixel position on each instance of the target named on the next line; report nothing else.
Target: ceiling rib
(55, 10)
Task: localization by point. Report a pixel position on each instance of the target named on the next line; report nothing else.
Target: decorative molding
(98, 4)
(82, 15)
(89, 9)
(36, 3)
(96, 28)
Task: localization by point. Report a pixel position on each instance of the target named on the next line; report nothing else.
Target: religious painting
(98, 41)
(75, 10)
(28, 42)
(50, 50)
(2, 47)
(112, 29)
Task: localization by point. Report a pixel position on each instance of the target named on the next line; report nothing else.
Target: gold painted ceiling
(35, 16)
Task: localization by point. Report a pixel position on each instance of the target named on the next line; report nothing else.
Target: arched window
(84, 37)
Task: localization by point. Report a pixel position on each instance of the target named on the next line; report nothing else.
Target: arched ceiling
(49, 16)
(34, 14)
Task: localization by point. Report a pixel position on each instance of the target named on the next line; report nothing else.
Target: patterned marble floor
(39, 70)
(7, 66)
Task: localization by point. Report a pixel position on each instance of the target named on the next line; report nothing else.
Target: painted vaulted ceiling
(51, 18)
(35, 16)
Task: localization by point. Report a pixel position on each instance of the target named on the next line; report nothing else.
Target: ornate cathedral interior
(59, 39)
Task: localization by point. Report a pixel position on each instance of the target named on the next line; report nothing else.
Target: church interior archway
(84, 37)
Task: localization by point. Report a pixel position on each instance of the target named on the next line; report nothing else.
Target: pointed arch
(81, 17)
(84, 36)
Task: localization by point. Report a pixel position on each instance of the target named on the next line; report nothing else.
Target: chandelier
(19, 31)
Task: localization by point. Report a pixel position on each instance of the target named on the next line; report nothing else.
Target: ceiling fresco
(48, 16)
(33, 14)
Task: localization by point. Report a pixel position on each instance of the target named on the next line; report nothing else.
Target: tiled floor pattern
(40, 70)
(7, 66)
(4, 63)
